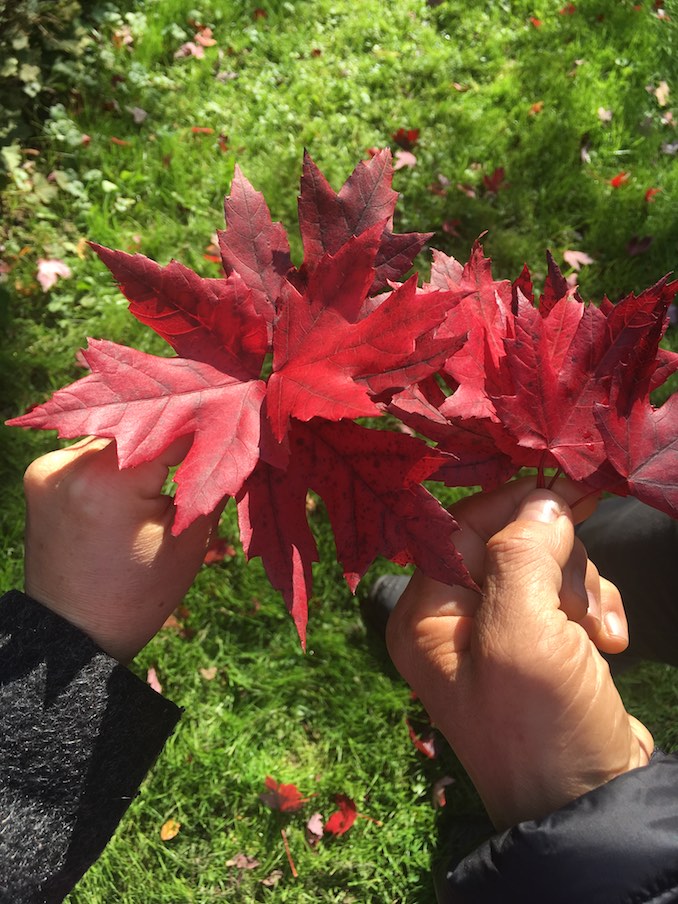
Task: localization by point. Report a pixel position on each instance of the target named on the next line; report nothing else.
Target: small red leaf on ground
(536, 23)
(496, 181)
(202, 130)
(121, 143)
(568, 10)
(620, 179)
(284, 797)
(342, 819)
(406, 138)
(426, 741)
(650, 194)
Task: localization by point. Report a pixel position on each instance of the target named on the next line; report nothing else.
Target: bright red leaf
(620, 179)
(342, 819)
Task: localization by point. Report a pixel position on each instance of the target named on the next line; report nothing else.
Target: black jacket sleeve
(617, 844)
(78, 732)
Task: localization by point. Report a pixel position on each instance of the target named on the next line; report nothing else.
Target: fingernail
(594, 609)
(615, 627)
(545, 510)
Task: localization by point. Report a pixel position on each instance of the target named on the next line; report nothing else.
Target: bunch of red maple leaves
(275, 364)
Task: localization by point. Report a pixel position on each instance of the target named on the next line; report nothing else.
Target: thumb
(524, 568)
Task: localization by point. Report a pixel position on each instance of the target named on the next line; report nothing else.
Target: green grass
(337, 78)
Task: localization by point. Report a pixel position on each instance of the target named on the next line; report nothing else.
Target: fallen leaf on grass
(619, 180)
(50, 270)
(650, 194)
(577, 259)
(219, 549)
(169, 830)
(284, 797)
(243, 861)
(536, 108)
(496, 181)
(536, 23)
(204, 37)
(202, 130)
(402, 159)
(342, 819)
(121, 143)
(425, 742)
(568, 10)
(406, 138)
(209, 674)
(152, 680)
(661, 92)
(273, 878)
(314, 829)
(190, 48)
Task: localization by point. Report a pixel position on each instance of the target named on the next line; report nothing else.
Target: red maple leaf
(328, 219)
(279, 796)
(642, 446)
(619, 180)
(406, 138)
(495, 181)
(145, 403)
(470, 362)
(342, 819)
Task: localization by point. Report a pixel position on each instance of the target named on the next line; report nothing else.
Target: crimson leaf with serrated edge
(497, 379)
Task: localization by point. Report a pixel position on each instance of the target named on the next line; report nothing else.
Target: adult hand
(99, 548)
(512, 676)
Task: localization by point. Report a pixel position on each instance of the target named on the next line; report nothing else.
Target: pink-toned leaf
(50, 270)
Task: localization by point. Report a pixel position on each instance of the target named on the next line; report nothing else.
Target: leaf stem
(554, 478)
(289, 854)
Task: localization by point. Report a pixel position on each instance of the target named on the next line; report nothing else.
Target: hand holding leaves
(469, 362)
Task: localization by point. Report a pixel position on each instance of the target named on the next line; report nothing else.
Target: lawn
(548, 126)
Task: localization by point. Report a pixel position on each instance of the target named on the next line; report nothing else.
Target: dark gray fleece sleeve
(78, 732)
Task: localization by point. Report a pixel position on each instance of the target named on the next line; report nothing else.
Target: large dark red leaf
(370, 483)
(325, 365)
